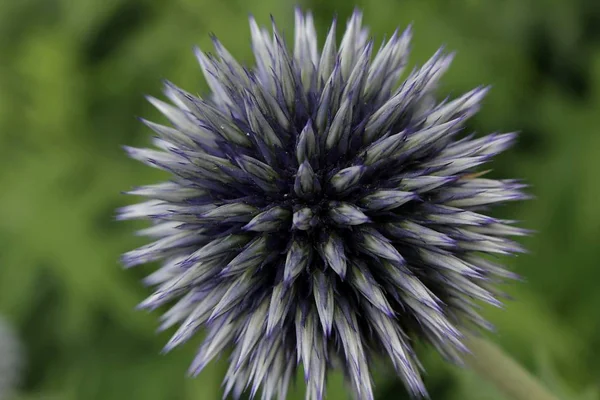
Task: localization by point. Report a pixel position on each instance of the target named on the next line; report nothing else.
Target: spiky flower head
(11, 360)
(321, 212)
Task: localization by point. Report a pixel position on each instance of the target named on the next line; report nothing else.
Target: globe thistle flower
(321, 212)
(10, 360)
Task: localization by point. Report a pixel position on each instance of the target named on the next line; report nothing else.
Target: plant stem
(489, 361)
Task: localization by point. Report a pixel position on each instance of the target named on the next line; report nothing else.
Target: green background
(72, 78)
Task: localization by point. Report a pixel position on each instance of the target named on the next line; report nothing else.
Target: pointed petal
(384, 200)
(303, 219)
(347, 178)
(298, 258)
(364, 283)
(374, 243)
(238, 290)
(343, 213)
(323, 293)
(306, 149)
(270, 220)
(332, 253)
(307, 183)
(251, 257)
(281, 301)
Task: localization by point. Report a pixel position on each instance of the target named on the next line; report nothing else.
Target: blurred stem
(493, 364)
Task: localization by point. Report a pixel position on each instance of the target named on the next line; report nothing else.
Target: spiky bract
(321, 211)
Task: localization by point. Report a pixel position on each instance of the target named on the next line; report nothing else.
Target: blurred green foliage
(72, 79)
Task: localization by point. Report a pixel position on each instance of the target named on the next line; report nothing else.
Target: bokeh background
(72, 79)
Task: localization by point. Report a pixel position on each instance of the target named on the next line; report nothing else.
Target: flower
(10, 360)
(321, 211)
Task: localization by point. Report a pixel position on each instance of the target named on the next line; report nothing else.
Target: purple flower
(321, 212)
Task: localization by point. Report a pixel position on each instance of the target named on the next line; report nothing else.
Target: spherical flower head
(321, 213)
(10, 360)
